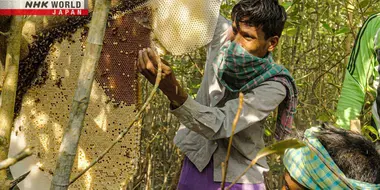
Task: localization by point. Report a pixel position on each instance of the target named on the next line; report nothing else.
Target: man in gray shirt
(239, 60)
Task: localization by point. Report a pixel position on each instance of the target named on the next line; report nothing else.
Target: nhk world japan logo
(44, 7)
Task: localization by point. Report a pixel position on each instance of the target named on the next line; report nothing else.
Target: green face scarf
(240, 71)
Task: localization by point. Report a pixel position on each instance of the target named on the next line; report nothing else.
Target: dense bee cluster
(126, 5)
(33, 69)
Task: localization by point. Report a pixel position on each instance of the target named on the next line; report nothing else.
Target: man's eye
(249, 38)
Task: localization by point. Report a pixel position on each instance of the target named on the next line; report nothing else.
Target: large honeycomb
(45, 110)
(180, 26)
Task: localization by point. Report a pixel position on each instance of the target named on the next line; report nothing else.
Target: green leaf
(364, 3)
(327, 27)
(291, 23)
(267, 132)
(291, 31)
(343, 30)
(323, 117)
(370, 132)
(280, 147)
(225, 6)
(286, 5)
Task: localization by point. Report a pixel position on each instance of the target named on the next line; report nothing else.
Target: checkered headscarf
(240, 71)
(312, 167)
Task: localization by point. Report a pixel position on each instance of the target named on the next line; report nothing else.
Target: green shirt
(361, 75)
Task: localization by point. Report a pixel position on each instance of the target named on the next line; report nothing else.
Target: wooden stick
(245, 171)
(234, 123)
(19, 179)
(5, 33)
(9, 90)
(26, 152)
(70, 141)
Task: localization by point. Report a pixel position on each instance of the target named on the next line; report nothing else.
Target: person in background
(238, 60)
(362, 76)
(333, 158)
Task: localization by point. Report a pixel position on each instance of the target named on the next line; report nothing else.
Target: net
(182, 26)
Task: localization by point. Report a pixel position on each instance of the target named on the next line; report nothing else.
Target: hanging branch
(19, 179)
(125, 131)
(195, 64)
(234, 123)
(26, 152)
(9, 91)
(5, 33)
(81, 99)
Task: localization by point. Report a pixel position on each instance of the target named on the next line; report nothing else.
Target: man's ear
(272, 41)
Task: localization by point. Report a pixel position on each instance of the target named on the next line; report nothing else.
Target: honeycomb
(182, 26)
(45, 110)
(116, 70)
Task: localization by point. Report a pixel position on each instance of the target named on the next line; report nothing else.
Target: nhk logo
(38, 7)
(53, 4)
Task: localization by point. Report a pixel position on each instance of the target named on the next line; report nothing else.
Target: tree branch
(195, 64)
(70, 141)
(20, 156)
(19, 179)
(8, 94)
(225, 163)
(5, 33)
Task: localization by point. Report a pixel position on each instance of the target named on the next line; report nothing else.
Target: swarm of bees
(33, 68)
(126, 5)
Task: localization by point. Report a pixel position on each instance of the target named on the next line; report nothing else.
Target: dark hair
(265, 14)
(355, 155)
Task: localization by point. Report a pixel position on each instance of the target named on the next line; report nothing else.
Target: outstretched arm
(147, 65)
(212, 122)
(360, 73)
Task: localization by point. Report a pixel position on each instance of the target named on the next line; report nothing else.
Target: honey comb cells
(48, 79)
(116, 70)
(45, 108)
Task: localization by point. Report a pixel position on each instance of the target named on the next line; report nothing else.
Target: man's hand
(147, 65)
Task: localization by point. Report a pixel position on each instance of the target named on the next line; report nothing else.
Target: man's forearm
(350, 102)
(177, 97)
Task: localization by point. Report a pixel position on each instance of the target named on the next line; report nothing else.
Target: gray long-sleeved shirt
(206, 122)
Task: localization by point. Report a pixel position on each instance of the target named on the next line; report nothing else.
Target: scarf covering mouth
(315, 169)
(239, 71)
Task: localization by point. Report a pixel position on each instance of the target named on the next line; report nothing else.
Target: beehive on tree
(48, 79)
(45, 109)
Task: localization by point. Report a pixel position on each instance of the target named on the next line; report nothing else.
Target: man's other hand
(147, 65)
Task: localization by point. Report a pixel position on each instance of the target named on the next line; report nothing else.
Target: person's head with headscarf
(333, 158)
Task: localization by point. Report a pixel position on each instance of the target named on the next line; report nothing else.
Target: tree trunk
(9, 91)
(347, 47)
(81, 99)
